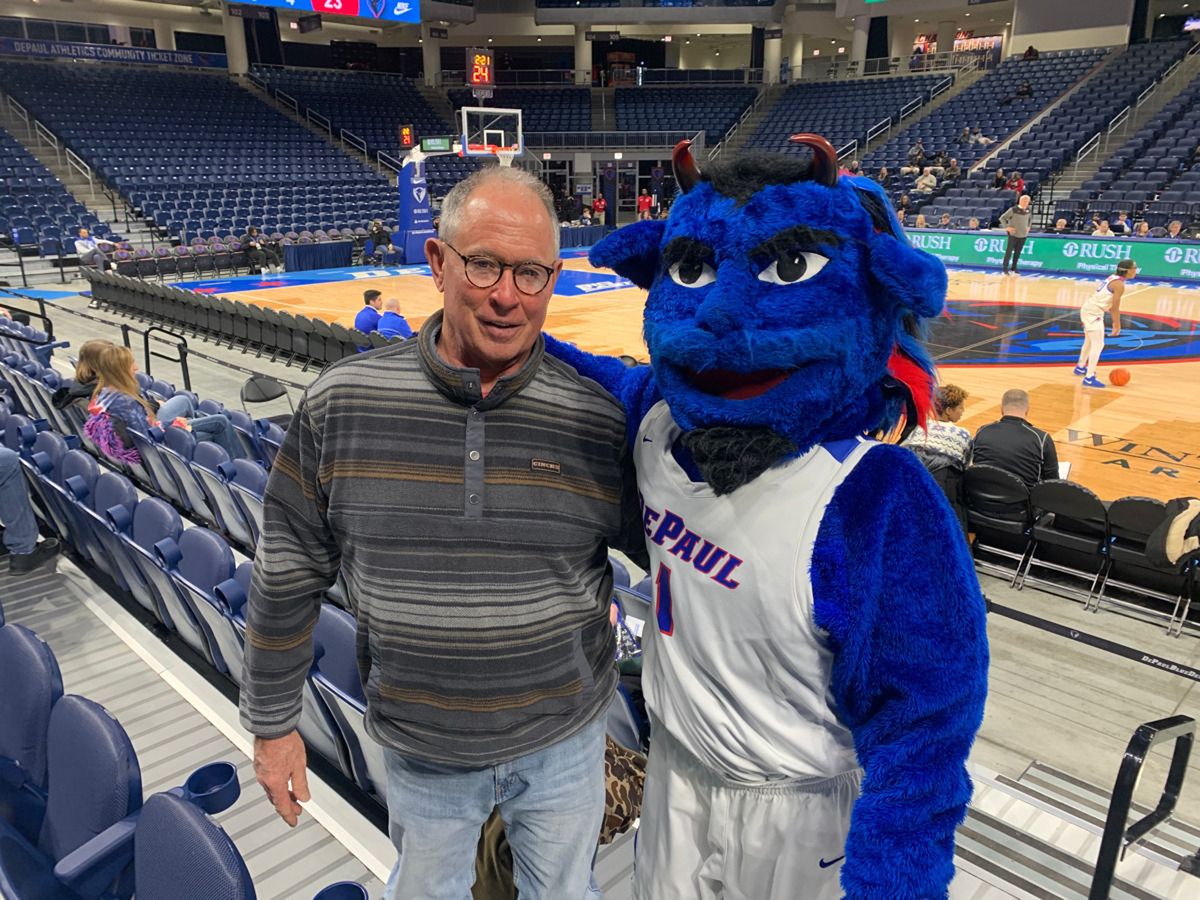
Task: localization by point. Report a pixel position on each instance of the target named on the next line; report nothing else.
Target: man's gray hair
(452, 206)
(1015, 398)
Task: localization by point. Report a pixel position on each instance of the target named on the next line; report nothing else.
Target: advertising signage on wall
(1074, 255)
(391, 10)
(111, 53)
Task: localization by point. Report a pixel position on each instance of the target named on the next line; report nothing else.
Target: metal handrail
(1089, 147)
(1146, 94)
(349, 137)
(1118, 837)
(21, 113)
(943, 85)
(848, 150)
(47, 135)
(911, 107)
(315, 118)
(40, 314)
(386, 159)
(1115, 121)
(613, 140)
(879, 128)
(76, 162)
(179, 341)
(287, 100)
(736, 126)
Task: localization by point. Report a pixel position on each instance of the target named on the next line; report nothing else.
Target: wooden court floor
(1141, 439)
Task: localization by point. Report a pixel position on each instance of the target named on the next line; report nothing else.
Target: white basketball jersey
(1100, 302)
(735, 667)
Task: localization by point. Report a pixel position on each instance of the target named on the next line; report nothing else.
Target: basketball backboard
(487, 130)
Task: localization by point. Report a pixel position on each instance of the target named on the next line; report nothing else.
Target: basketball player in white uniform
(1106, 299)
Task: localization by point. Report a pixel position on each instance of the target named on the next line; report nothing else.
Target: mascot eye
(792, 267)
(692, 273)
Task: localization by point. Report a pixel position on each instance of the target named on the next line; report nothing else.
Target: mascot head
(784, 303)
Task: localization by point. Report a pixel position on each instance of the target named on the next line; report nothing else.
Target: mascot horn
(816, 661)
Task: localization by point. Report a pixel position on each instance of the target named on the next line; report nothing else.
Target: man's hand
(1011, 230)
(278, 761)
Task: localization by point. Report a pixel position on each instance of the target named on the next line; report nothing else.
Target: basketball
(1119, 377)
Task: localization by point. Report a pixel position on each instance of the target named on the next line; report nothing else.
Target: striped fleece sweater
(473, 536)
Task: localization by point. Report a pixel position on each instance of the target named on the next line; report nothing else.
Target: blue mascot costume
(817, 669)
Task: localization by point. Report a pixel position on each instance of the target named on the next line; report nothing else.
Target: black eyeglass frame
(549, 270)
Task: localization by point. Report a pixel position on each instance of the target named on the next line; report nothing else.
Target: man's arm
(895, 589)
(296, 561)
(1049, 458)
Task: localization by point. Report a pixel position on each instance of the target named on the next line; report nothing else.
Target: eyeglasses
(484, 272)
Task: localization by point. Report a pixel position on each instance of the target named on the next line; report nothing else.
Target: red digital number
(336, 7)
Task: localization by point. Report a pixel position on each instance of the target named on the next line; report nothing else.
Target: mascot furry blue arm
(817, 606)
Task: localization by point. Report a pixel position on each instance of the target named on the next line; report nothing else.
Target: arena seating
(542, 109)
(1054, 141)
(713, 110)
(35, 208)
(373, 106)
(1154, 175)
(982, 106)
(211, 164)
(842, 111)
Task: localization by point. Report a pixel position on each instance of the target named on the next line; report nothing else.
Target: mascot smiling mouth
(732, 385)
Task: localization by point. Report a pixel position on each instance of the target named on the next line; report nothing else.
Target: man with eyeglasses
(468, 487)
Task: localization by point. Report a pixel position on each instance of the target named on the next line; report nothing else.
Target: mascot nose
(718, 315)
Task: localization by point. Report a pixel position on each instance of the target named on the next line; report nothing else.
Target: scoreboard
(391, 10)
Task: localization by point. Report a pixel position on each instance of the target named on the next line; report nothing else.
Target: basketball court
(998, 333)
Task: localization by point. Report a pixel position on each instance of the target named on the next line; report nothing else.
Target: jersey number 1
(662, 600)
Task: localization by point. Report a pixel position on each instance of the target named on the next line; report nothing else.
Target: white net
(506, 156)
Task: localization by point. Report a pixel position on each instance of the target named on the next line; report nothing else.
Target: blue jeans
(20, 526)
(552, 803)
(177, 407)
(218, 429)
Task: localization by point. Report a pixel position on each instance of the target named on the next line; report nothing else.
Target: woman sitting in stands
(117, 407)
(883, 175)
(999, 180)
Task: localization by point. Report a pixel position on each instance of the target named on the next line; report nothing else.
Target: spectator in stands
(1030, 53)
(1175, 231)
(1024, 92)
(1142, 230)
(644, 204)
(391, 323)
(664, 211)
(964, 136)
(921, 221)
(1014, 445)
(84, 384)
(938, 163)
(916, 155)
(508, 681)
(978, 137)
(883, 175)
(1060, 227)
(904, 203)
(953, 171)
(1122, 224)
(25, 553)
(381, 241)
(999, 180)
(1103, 230)
(1015, 222)
(855, 167)
(367, 319)
(973, 223)
(1015, 183)
(89, 251)
(944, 221)
(117, 407)
(585, 218)
(902, 215)
(260, 253)
(944, 448)
(926, 182)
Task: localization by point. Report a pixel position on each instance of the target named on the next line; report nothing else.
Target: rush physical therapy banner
(391, 10)
(111, 53)
(1070, 255)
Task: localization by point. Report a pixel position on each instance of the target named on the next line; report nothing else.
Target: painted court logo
(1032, 334)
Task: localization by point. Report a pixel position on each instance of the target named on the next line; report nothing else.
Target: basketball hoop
(506, 155)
